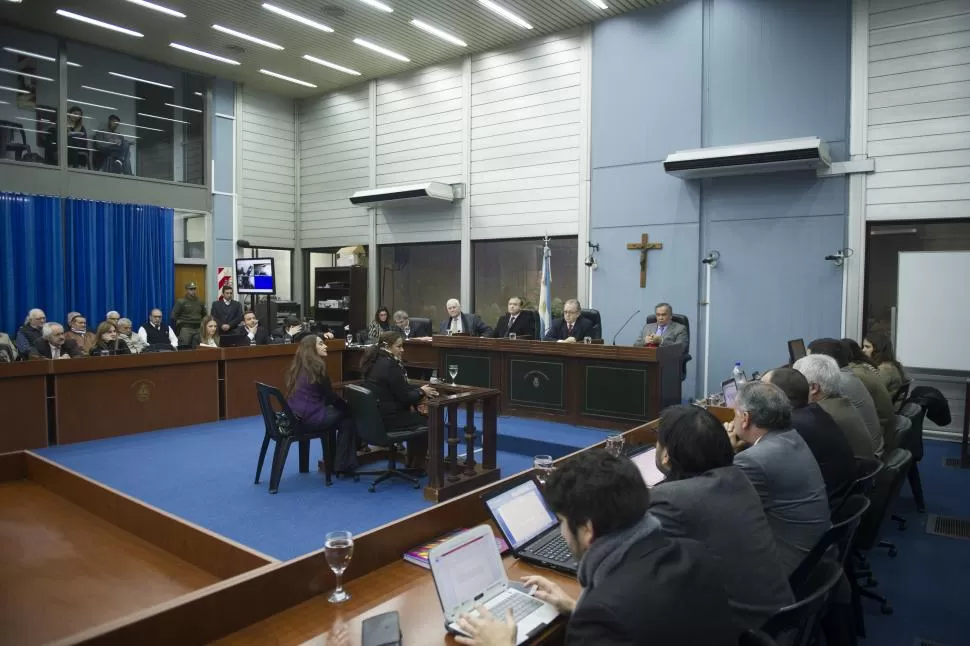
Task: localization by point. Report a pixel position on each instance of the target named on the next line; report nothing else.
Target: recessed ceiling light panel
(381, 50)
(127, 96)
(199, 52)
(252, 39)
(505, 13)
(99, 23)
(280, 11)
(378, 5)
(23, 52)
(158, 7)
(334, 66)
(434, 31)
(286, 78)
(140, 80)
(22, 73)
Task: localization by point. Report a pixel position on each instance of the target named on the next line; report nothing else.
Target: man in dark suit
(515, 322)
(460, 323)
(639, 585)
(706, 498)
(257, 333)
(824, 388)
(782, 469)
(820, 432)
(227, 312)
(411, 329)
(53, 344)
(571, 327)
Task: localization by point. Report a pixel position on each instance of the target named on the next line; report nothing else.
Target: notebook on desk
(530, 527)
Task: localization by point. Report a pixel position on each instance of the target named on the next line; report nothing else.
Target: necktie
(569, 328)
(511, 322)
(454, 324)
(661, 330)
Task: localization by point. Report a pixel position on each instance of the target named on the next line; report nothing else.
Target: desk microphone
(623, 326)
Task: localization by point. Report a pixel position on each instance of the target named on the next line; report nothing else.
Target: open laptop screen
(466, 570)
(796, 349)
(521, 513)
(646, 462)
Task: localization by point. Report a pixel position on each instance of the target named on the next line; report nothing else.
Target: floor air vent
(952, 462)
(948, 526)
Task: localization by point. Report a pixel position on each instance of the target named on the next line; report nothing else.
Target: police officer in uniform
(188, 313)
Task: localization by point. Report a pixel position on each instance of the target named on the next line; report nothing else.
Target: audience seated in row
(824, 383)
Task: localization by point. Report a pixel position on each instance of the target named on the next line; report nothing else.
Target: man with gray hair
(134, 342)
(30, 331)
(460, 323)
(782, 469)
(664, 330)
(54, 344)
(824, 388)
(112, 317)
(572, 327)
(411, 330)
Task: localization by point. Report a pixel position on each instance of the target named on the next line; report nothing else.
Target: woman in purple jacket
(312, 398)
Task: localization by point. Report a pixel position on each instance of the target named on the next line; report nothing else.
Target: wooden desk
(23, 389)
(286, 604)
(447, 475)
(98, 397)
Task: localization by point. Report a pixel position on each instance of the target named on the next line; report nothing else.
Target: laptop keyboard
(555, 550)
(521, 605)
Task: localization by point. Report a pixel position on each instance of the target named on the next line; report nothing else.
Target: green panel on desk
(537, 384)
(473, 369)
(612, 390)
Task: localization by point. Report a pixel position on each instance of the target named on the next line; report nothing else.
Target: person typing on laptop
(639, 586)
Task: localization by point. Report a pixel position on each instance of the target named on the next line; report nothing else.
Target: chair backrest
(365, 409)
(914, 441)
(883, 493)
(594, 317)
(416, 321)
(794, 625)
(866, 471)
(676, 318)
(536, 323)
(903, 393)
(901, 437)
(845, 522)
(279, 419)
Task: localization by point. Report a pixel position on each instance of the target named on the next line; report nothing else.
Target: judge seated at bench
(53, 344)
(460, 323)
(515, 322)
(665, 331)
(571, 327)
(411, 329)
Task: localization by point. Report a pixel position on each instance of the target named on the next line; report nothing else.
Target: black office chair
(914, 444)
(683, 320)
(417, 321)
(593, 316)
(536, 323)
(798, 624)
(903, 393)
(284, 428)
(370, 428)
(901, 438)
(836, 541)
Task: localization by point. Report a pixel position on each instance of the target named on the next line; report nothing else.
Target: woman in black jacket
(107, 341)
(385, 376)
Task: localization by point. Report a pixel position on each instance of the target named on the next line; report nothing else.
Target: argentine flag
(545, 292)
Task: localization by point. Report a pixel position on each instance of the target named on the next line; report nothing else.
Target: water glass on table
(511, 336)
(453, 371)
(587, 340)
(614, 445)
(339, 549)
(543, 467)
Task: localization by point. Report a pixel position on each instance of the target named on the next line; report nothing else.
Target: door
(186, 273)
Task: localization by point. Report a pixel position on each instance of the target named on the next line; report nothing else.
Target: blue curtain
(119, 257)
(31, 257)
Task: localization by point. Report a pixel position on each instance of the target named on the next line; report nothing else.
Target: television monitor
(255, 276)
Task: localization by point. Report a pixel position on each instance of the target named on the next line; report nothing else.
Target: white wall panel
(918, 109)
(267, 181)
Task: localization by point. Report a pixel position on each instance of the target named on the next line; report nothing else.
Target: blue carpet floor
(205, 473)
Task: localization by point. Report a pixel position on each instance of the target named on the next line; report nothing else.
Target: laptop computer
(796, 350)
(729, 388)
(234, 341)
(468, 571)
(646, 460)
(530, 527)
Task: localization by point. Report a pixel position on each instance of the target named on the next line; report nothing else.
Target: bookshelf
(340, 297)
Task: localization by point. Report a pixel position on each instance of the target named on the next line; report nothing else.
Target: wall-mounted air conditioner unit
(809, 153)
(425, 190)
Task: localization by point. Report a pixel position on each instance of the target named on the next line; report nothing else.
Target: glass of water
(350, 339)
(339, 549)
(587, 340)
(434, 376)
(511, 336)
(543, 467)
(453, 371)
(614, 445)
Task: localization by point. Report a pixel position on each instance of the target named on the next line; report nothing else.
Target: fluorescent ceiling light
(36, 120)
(78, 147)
(334, 66)
(73, 64)
(378, 5)
(22, 52)
(4, 102)
(505, 13)
(297, 17)
(19, 73)
(199, 52)
(598, 3)
(93, 105)
(98, 23)
(40, 109)
(158, 7)
(155, 116)
(127, 96)
(252, 39)
(381, 50)
(135, 78)
(182, 107)
(21, 128)
(108, 132)
(198, 94)
(286, 78)
(443, 35)
(131, 125)
(13, 89)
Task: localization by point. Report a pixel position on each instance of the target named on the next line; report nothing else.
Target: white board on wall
(933, 310)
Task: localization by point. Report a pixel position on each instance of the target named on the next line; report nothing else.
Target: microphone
(623, 326)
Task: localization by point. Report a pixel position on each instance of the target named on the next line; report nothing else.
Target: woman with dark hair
(385, 376)
(879, 349)
(858, 361)
(107, 341)
(380, 324)
(707, 499)
(311, 397)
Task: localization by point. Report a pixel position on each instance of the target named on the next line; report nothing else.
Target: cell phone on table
(381, 630)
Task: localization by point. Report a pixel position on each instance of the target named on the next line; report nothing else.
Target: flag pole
(545, 289)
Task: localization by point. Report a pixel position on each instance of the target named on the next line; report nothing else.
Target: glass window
(28, 96)
(882, 262)
(190, 235)
(420, 278)
(312, 260)
(505, 268)
(283, 265)
(133, 117)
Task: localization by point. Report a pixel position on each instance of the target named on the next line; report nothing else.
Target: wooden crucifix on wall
(643, 247)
